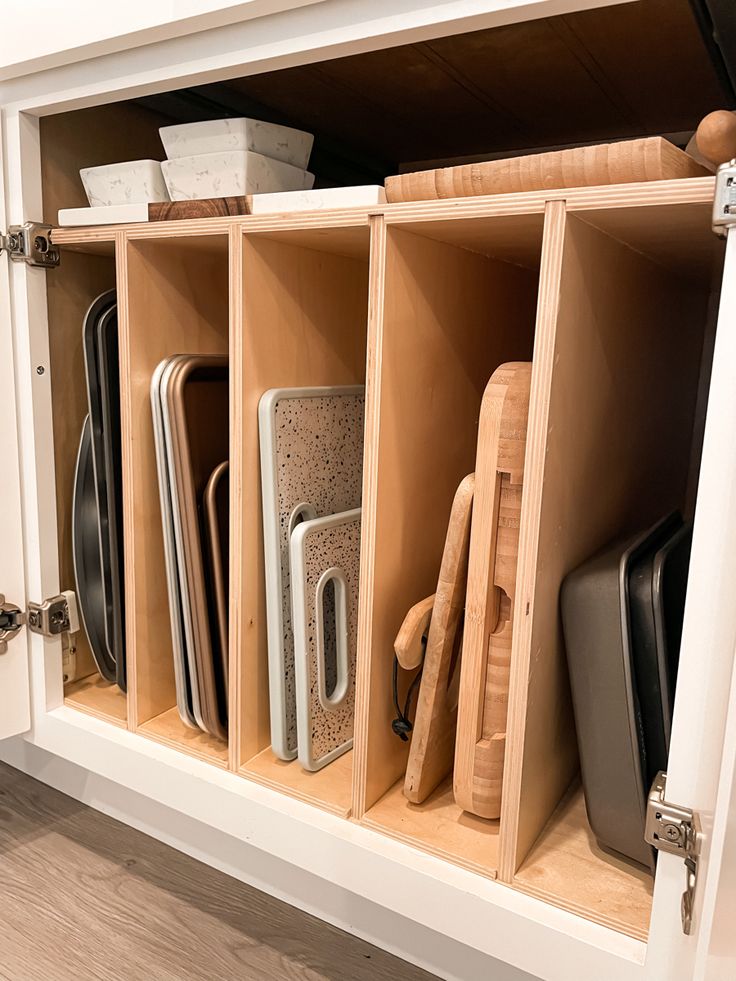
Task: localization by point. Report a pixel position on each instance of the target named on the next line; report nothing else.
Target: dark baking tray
(111, 477)
(594, 601)
(86, 555)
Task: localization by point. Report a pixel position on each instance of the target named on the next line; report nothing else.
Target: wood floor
(85, 897)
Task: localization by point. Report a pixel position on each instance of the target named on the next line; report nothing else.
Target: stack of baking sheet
(97, 533)
(311, 443)
(189, 396)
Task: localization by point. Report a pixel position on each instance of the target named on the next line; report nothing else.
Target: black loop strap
(402, 725)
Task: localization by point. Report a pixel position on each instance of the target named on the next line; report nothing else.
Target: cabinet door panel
(700, 757)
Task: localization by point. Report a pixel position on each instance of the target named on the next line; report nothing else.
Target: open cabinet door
(15, 710)
(703, 747)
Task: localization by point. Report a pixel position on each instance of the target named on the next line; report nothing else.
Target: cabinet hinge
(675, 829)
(724, 203)
(54, 616)
(30, 243)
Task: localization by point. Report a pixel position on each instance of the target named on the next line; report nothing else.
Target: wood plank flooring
(85, 897)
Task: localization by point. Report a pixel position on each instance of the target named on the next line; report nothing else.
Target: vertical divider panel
(615, 380)
(126, 432)
(563, 762)
(368, 519)
(236, 556)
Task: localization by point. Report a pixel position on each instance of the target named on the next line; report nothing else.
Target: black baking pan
(112, 528)
(670, 575)
(645, 652)
(86, 555)
(595, 617)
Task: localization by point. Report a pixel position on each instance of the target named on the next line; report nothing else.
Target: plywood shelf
(94, 696)
(438, 826)
(168, 729)
(566, 867)
(329, 788)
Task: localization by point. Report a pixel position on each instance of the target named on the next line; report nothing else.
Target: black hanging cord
(402, 725)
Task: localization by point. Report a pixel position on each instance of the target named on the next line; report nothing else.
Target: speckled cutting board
(325, 568)
(311, 442)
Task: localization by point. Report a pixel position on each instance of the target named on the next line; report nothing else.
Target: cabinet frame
(131, 776)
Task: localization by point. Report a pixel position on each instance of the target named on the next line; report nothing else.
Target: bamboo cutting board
(650, 159)
(494, 546)
(433, 739)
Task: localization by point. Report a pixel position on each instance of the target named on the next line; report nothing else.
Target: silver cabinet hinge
(30, 243)
(54, 616)
(724, 203)
(675, 829)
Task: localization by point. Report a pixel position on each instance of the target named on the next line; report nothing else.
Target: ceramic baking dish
(131, 182)
(293, 146)
(231, 174)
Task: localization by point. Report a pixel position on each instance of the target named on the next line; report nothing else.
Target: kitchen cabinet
(624, 300)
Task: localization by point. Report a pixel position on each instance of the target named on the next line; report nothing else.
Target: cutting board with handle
(494, 546)
(650, 159)
(433, 737)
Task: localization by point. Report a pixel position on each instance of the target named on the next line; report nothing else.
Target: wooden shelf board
(96, 697)
(330, 788)
(168, 729)
(438, 826)
(567, 868)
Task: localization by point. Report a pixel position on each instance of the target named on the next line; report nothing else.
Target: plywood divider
(173, 300)
(442, 319)
(615, 377)
(302, 322)
(235, 611)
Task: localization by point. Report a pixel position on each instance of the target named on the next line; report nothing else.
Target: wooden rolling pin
(715, 137)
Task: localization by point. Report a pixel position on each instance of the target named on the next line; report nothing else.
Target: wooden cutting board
(433, 738)
(489, 606)
(206, 208)
(650, 159)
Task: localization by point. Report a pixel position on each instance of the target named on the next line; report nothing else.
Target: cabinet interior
(613, 302)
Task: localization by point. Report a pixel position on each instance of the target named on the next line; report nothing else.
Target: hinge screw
(40, 370)
(671, 832)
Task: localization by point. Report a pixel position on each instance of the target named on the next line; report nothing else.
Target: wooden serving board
(433, 739)
(206, 208)
(650, 159)
(489, 606)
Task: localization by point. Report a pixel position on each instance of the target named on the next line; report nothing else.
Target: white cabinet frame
(442, 917)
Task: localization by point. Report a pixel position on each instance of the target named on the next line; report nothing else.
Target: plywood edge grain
(531, 506)
(237, 542)
(374, 354)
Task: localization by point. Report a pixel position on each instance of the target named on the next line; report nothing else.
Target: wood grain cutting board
(650, 159)
(489, 606)
(206, 208)
(433, 738)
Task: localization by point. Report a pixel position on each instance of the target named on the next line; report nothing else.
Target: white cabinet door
(15, 712)
(701, 762)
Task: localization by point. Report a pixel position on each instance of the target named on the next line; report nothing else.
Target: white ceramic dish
(327, 197)
(293, 146)
(131, 182)
(231, 174)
